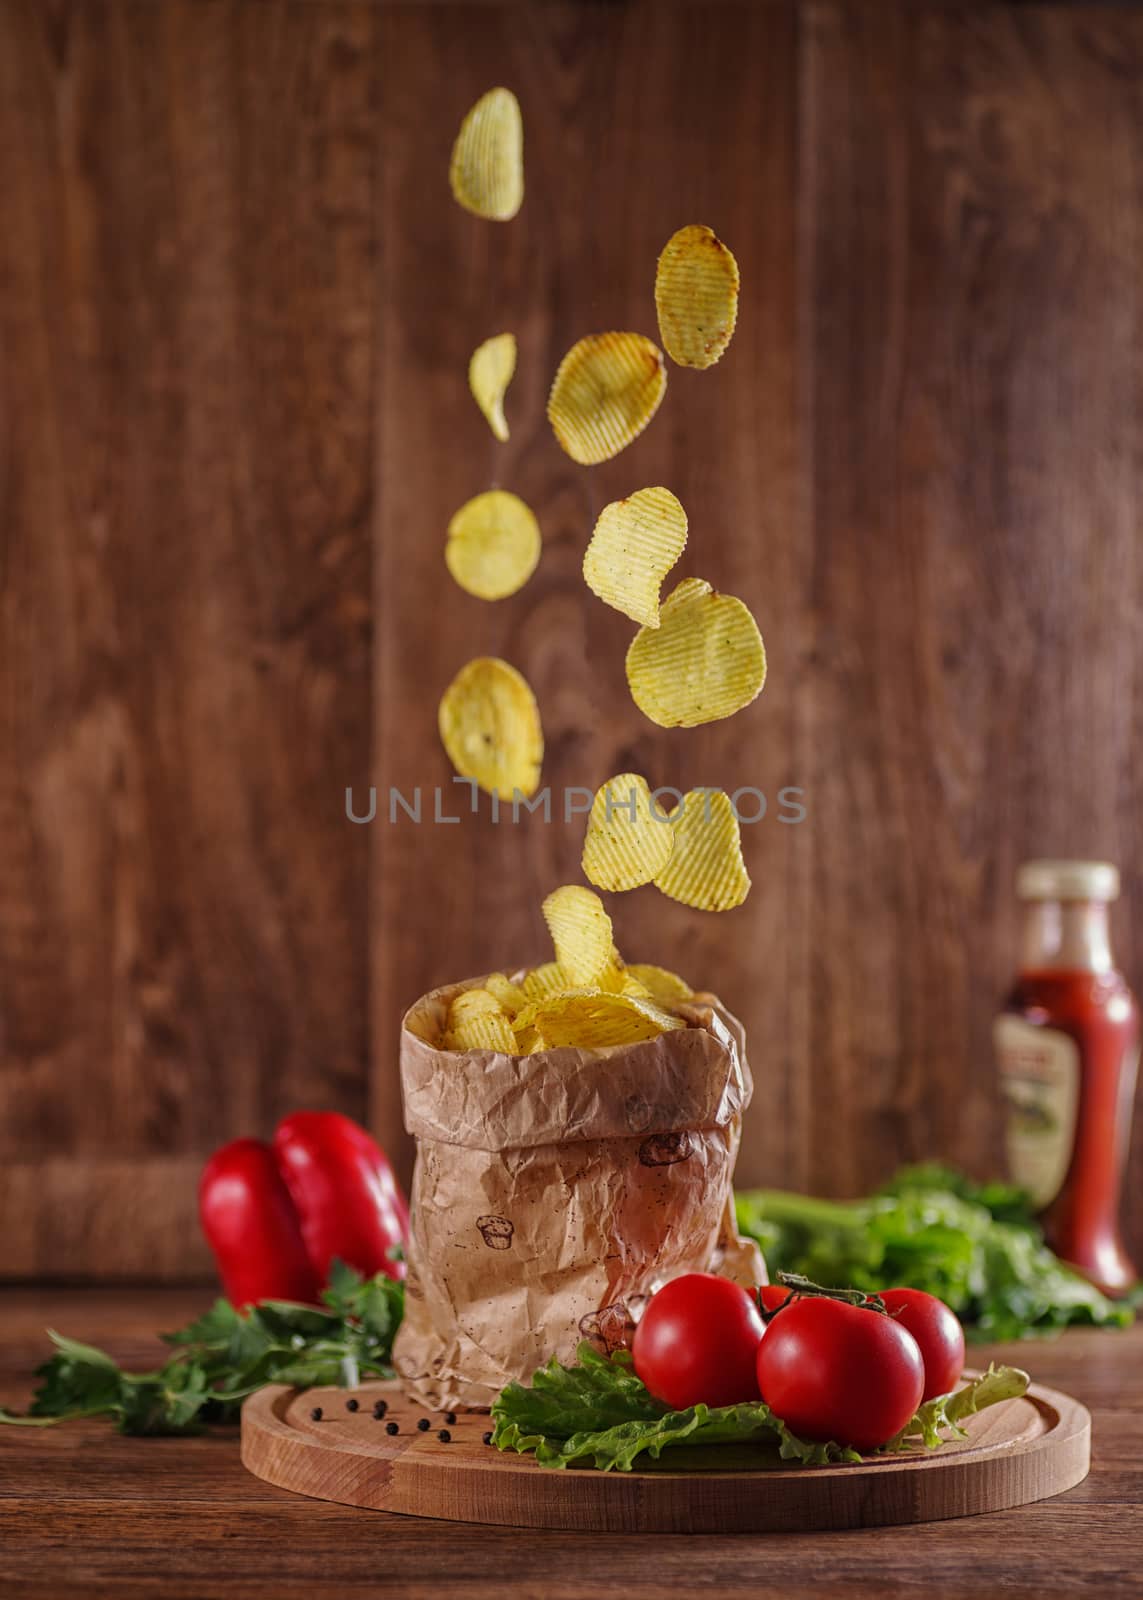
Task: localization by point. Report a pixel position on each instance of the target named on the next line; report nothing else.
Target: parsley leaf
(224, 1355)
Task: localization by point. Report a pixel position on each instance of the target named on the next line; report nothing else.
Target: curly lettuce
(597, 1413)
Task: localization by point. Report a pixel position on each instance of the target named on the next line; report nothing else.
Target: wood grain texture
(1014, 1453)
(187, 317)
(237, 304)
(118, 1516)
(973, 295)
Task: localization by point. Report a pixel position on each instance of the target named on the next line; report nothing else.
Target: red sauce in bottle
(1067, 1045)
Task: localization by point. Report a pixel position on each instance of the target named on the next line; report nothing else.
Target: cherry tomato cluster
(839, 1366)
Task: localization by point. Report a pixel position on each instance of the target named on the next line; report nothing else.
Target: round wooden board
(1018, 1451)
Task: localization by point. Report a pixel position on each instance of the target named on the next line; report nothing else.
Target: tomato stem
(805, 1289)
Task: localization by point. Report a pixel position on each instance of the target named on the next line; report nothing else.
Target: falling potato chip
(487, 168)
(510, 996)
(548, 979)
(706, 869)
(493, 545)
(581, 932)
(664, 986)
(696, 295)
(635, 544)
(490, 371)
(628, 840)
(606, 391)
(590, 1019)
(490, 726)
(705, 660)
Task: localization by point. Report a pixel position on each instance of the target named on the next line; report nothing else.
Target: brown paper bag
(554, 1192)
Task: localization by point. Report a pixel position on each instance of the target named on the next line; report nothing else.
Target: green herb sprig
(222, 1357)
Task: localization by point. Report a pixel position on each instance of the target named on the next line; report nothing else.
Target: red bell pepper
(276, 1215)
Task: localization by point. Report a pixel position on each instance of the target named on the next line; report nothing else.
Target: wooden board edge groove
(1030, 1450)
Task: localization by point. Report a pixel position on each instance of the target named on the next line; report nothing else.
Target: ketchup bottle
(1067, 1046)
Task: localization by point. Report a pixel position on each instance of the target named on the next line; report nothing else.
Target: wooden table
(87, 1513)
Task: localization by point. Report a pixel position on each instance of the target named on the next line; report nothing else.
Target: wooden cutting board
(1018, 1451)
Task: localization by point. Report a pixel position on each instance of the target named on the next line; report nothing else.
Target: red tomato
(774, 1295)
(936, 1330)
(840, 1372)
(697, 1342)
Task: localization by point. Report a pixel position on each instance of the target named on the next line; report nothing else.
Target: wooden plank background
(236, 304)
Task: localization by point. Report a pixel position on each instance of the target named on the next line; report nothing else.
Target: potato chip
(493, 545)
(487, 168)
(548, 979)
(635, 544)
(488, 1032)
(627, 841)
(477, 1022)
(510, 997)
(490, 726)
(490, 371)
(663, 985)
(606, 391)
(696, 295)
(589, 1019)
(581, 932)
(476, 1002)
(705, 660)
(706, 869)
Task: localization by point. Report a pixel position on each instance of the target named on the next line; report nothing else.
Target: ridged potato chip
(606, 391)
(663, 985)
(489, 1031)
(490, 371)
(581, 932)
(635, 544)
(493, 545)
(696, 295)
(490, 726)
(476, 1021)
(548, 979)
(487, 168)
(510, 997)
(590, 1019)
(705, 661)
(627, 843)
(706, 869)
(476, 1002)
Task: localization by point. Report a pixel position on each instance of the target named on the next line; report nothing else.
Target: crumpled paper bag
(553, 1193)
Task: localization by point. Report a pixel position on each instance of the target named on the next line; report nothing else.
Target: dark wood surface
(87, 1512)
(237, 305)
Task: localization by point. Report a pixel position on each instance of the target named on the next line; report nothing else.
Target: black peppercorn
(316, 1413)
(424, 1425)
(444, 1436)
(391, 1428)
(379, 1409)
(351, 1405)
(450, 1418)
(488, 1438)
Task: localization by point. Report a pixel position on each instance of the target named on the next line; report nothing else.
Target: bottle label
(1039, 1077)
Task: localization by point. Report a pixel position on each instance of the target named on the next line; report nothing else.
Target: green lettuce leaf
(974, 1246)
(598, 1413)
